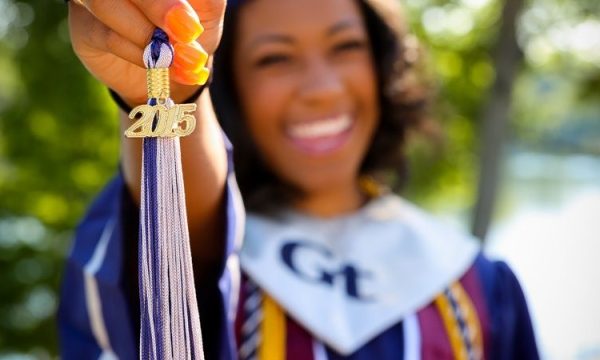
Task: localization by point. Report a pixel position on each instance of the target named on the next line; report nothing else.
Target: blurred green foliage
(59, 136)
(58, 146)
(556, 94)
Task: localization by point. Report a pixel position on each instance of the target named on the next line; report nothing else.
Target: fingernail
(190, 56)
(187, 77)
(176, 76)
(183, 24)
(202, 74)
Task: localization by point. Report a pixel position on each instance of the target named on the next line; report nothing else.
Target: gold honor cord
(273, 331)
(163, 119)
(469, 314)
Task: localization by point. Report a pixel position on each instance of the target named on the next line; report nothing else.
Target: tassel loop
(160, 117)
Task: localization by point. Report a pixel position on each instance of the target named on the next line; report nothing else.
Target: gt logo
(319, 266)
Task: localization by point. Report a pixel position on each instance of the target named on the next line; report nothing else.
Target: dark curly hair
(403, 103)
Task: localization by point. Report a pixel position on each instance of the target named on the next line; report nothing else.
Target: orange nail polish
(190, 56)
(202, 76)
(180, 79)
(176, 76)
(183, 24)
(190, 77)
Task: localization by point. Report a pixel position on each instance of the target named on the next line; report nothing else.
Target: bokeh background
(511, 153)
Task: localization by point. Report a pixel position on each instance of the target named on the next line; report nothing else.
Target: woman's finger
(176, 17)
(209, 10)
(118, 62)
(211, 13)
(90, 36)
(123, 17)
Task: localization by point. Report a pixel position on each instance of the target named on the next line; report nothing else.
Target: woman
(315, 97)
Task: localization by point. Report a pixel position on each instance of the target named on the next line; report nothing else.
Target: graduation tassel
(170, 322)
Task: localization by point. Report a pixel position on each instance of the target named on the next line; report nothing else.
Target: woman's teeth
(320, 128)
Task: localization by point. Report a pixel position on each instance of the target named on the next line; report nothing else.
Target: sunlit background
(59, 145)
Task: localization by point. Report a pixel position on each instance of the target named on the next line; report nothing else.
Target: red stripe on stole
(435, 344)
(299, 343)
(472, 285)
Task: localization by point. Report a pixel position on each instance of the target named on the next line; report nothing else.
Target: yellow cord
(370, 186)
(468, 310)
(272, 329)
(451, 325)
(471, 318)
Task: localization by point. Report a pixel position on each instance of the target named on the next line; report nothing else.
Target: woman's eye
(350, 45)
(272, 60)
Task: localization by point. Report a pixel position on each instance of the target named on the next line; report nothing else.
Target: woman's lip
(322, 145)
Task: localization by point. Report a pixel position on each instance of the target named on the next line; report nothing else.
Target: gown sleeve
(510, 324)
(98, 315)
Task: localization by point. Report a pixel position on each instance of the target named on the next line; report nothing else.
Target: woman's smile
(320, 136)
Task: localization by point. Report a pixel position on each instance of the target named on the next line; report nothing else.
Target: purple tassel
(170, 322)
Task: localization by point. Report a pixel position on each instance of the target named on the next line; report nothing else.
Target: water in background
(550, 235)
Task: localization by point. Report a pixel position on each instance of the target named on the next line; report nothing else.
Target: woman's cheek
(265, 111)
(271, 101)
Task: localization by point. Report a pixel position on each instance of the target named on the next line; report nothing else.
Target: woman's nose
(321, 82)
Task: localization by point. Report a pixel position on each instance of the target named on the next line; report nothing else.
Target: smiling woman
(327, 96)
(316, 97)
(308, 95)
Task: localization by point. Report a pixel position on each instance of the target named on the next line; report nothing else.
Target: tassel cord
(170, 322)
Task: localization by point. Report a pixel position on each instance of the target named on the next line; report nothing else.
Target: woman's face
(306, 81)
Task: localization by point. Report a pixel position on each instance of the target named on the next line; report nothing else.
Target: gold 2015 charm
(160, 121)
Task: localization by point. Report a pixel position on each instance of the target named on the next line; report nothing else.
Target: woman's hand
(109, 37)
